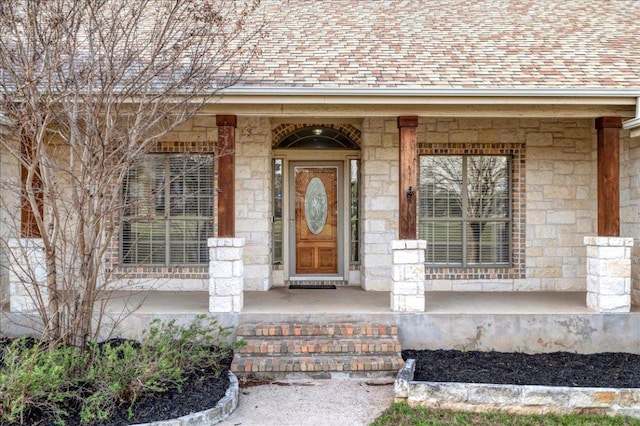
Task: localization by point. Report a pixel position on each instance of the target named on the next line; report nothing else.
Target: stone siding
(630, 204)
(379, 201)
(560, 202)
(253, 199)
(560, 197)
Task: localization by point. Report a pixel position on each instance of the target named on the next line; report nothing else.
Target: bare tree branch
(91, 87)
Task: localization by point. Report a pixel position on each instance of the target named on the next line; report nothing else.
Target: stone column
(226, 268)
(407, 291)
(609, 273)
(27, 275)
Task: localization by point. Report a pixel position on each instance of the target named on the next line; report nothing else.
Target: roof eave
(452, 92)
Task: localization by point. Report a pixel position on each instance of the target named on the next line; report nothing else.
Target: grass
(401, 414)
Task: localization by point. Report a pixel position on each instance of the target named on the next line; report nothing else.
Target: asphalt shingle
(446, 44)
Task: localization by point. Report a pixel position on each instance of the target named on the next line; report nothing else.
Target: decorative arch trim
(316, 136)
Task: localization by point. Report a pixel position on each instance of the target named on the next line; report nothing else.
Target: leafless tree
(90, 87)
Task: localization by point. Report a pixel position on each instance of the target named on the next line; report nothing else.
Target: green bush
(47, 379)
(36, 378)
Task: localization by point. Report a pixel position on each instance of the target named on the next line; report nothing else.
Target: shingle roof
(451, 44)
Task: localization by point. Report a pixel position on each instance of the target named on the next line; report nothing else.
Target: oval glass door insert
(315, 205)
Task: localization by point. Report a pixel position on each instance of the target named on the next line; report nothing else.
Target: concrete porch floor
(524, 322)
(354, 300)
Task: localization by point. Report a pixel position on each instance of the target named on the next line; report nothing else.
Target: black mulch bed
(197, 395)
(617, 370)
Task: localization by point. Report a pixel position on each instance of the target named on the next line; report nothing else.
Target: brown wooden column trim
(225, 151)
(408, 177)
(609, 176)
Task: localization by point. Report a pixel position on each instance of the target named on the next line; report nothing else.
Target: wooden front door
(316, 220)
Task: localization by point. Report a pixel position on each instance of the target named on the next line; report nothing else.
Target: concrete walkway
(316, 402)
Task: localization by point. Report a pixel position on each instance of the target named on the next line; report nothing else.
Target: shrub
(36, 379)
(42, 381)
(167, 356)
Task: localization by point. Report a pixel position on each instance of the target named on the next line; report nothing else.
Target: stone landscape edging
(209, 417)
(521, 399)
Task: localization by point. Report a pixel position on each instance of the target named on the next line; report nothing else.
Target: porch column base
(609, 273)
(27, 275)
(226, 269)
(407, 291)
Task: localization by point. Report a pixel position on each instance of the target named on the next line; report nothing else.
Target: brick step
(337, 329)
(317, 350)
(318, 366)
(319, 345)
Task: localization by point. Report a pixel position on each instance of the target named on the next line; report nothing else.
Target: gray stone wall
(253, 199)
(560, 196)
(379, 200)
(560, 200)
(630, 204)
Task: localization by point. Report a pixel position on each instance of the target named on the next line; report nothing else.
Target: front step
(322, 350)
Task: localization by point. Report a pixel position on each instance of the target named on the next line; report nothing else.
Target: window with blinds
(169, 208)
(465, 210)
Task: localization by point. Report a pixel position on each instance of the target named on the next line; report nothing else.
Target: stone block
(608, 252)
(227, 287)
(629, 398)
(493, 394)
(561, 217)
(220, 269)
(414, 272)
(407, 288)
(220, 303)
(608, 241)
(415, 303)
(590, 397)
(539, 139)
(545, 396)
(237, 268)
(619, 268)
(228, 253)
(406, 256)
(593, 301)
(609, 303)
(238, 302)
(434, 393)
(611, 286)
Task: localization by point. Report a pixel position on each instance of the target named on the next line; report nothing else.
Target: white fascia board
(635, 122)
(300, 91)
(631, 124)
